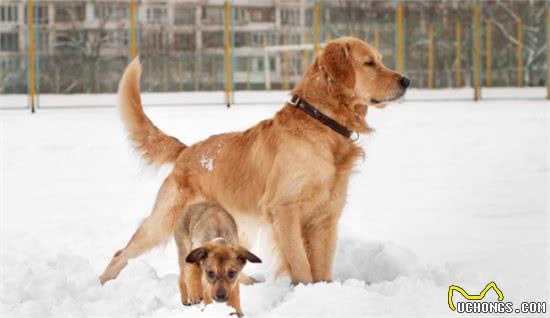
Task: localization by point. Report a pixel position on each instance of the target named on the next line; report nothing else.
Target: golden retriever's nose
(405, 82)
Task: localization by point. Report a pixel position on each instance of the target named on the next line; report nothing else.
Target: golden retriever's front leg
(287, 233)
(321, 244)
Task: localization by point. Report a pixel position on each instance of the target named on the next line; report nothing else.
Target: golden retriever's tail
(155, 146)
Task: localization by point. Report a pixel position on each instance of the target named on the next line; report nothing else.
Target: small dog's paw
(237, 313)
(193, 300)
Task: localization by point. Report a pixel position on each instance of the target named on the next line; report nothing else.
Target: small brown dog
(212, 270)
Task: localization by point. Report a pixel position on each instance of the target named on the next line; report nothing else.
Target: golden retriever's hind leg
(156, 228)
(321, 244)
(288, 238)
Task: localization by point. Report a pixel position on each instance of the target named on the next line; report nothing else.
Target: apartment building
(166, 28)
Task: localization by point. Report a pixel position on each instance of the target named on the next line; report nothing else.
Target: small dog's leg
(193, 279)
(155, 229)
(234, 301)
(206, 297)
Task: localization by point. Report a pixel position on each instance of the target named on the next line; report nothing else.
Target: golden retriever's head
(358, 66)
(346, 77)
(221, 264)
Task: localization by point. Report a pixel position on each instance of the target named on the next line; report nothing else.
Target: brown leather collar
(322, 118)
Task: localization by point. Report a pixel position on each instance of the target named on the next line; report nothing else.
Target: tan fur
(210, 258)
(291, 172)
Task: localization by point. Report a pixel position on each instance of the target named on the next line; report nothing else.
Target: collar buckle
(294, 100)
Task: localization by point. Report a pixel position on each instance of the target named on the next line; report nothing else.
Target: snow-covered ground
(450, 192)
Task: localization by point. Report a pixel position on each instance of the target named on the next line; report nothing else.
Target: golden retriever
(289, 172)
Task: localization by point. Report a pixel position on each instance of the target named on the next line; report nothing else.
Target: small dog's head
(221, 264)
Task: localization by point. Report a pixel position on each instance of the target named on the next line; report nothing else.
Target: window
(213, 39)
(117, 38)
(70, 13)
(42, 17)
(242, 39)
(290, 16)
(155, 40)
(184, 41)
(157, 15)
(9, 42)
(262, 15)
(8, 13)
(212, 15)
(184, 15)
(106, 11)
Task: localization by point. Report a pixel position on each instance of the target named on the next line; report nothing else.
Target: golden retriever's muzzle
(402, 84)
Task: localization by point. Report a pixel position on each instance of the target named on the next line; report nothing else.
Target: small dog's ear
(197, 255)
(336, 60)
(246, 255)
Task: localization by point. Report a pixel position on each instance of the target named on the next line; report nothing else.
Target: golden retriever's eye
(210, 274)
(369, 63)
(231, 274)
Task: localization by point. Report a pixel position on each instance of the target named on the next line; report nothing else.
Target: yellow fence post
(248, 73)
(520, 53)
(430, 56)
(477, 92)
(133, 33)
(228, 83)
(548, 53)
(316, 27)
(32, 79)
(376, 39)
(488, 54)
(286, 66)
(458, 57)
(306, 51)
(399, 38)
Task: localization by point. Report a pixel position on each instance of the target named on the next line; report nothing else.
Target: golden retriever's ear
(336, 60)
(246, 255)
(197, 255)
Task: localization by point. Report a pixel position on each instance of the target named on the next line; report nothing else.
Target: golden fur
(290, 172)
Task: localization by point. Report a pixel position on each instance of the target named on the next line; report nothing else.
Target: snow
(451, 192)
(207, 162)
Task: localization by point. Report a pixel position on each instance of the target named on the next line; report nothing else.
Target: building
(88, 39)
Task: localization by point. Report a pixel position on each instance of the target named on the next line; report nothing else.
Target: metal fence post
(228, 66)
(316, 27)
(431, 56)
(458, 57)
(488, 54)
(520, 53)
(133, 29)
(32, 74)
(477, 40)
(399, 37)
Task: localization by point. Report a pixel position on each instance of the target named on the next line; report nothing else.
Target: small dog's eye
(231, 274)
(210, 274)
(370, 63)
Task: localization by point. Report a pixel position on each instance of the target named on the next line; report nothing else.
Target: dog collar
(322, 118)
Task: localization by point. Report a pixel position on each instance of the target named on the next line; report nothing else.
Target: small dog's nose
(220, 295)
(405, 81)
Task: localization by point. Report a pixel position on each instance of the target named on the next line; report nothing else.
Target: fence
(54, 46)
